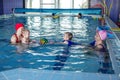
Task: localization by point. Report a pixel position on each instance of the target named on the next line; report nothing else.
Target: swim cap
(43, 41)
(102, 34)
(18, 25)
(102, 28)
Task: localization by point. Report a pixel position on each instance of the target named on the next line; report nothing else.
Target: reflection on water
(61, 58)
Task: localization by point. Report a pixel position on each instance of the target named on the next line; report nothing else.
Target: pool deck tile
(2, 77)
(33, 74)
(114, 48)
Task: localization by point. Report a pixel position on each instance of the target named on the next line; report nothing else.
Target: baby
(25, 39)
(79, 15)
(67, 39)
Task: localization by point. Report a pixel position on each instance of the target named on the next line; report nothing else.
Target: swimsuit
(17, 40)
(92, 43)
(70, 42)
(103, 48)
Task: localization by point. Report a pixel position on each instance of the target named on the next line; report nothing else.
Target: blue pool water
(52, 57)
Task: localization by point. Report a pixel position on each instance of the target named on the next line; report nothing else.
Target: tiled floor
(31, 74)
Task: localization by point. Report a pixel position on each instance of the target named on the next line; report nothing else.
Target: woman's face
(20, 30)
(97, 37)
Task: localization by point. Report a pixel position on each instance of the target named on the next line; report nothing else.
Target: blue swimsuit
(70, 42)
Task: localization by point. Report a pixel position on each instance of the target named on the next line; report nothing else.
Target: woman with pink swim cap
(98, 43)
(100, 37)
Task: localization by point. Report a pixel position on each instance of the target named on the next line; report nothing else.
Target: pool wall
(32, 74)
(90, 11)
(113, 47)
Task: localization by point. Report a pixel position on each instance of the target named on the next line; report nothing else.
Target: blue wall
(1, 7)
(115, 10)
(119, 10)
(9, 4)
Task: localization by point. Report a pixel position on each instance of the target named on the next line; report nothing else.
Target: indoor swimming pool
(52, 56)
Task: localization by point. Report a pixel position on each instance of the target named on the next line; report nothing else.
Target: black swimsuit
(103, 48)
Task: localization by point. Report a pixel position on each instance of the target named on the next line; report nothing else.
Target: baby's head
(26, 33)
(79, 15)
(68, 36)
(53, 14)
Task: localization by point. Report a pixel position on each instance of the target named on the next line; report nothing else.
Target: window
(65, 3)
(48, 6)
(80, 3)
(32, 3)
(48, 1)
(56, 3)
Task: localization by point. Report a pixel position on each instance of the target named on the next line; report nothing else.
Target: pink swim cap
(18, 25)
(102, 34)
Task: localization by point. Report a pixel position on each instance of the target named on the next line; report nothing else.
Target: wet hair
(80, 14)
(70, 35)
(53, 14)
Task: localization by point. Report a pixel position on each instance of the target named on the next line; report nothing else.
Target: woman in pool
(79, 15)
(17, 36)
(98, 45)
(20, 35)
(100, 37)
(21, 38)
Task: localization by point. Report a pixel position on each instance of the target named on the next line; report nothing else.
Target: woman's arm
(13, 39)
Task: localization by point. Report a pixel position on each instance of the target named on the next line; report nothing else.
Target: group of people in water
(56, 16)
(22, 36)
